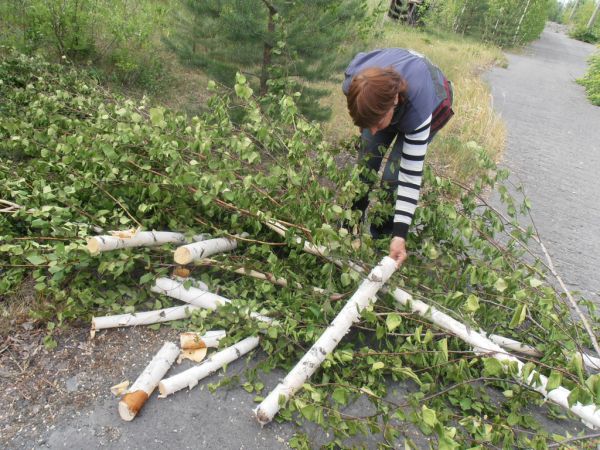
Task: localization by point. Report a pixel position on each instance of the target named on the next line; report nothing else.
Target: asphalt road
(553, 150)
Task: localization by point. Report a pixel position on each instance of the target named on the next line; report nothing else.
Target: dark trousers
(371, 153)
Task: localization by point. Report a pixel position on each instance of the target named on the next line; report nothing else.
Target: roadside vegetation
(77, 159)
(581, 17)
(591, 81)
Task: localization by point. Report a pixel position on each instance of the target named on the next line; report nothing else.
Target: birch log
(192, 295)
(140, 391)
(198, 297)
(311, 361)
(189, 378)
(203, 249)
(588, 413)
(99, 244)
(192, 340)
(142, 318)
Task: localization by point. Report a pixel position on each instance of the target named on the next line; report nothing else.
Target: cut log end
(190, 341)
(93, 246)
(181, 272)
(162, 389)
(183, 256)
(262, 417)
(131, 403)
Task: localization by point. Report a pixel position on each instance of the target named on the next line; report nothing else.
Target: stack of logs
(198, 296)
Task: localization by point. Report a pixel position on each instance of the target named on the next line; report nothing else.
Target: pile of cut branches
(76, 162)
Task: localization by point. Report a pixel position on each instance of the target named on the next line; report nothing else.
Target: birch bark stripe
(99, 244)
(589, 413)
(143, 387)
(330, 338)
(189, 378)
(203, 249)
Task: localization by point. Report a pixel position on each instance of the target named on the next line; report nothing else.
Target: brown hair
(373, 93)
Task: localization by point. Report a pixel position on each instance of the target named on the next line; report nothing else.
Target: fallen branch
(141, 318)
(136, 396)
(481, 344)
(10, 206)
(311, 361)
(97, 244)
(269, 277)
(189, 378)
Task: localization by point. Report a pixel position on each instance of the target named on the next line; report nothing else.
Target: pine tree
(270, 40)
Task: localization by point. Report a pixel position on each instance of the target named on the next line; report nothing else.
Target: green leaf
(49, 342)
(377, 365)
(157, 116)
(340, 395)
(272, 332)
(554, 380)
(443, 346)
(492, 367)
(472, 303)
(337, 209)
(500, 285)
(429, 416)
(534, 282)
(519, 316)
(36, 259)
(345, 279)
(393, 321)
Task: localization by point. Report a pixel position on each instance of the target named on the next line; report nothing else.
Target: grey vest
(425, 83)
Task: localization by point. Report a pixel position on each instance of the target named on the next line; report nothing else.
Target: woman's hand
(398, 250)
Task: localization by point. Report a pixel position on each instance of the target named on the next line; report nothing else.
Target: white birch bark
(142, 318)
(593, 17)
(203, 249)
(521, 22)
(192, 295)
(330, 338)
(511, 344)
(192, 340)
(189, 378)
(97, 244)
(588, 413)
(140, 391)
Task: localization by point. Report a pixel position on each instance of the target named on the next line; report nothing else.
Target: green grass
(591, 80)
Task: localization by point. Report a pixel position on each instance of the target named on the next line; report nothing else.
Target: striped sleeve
(409, 177)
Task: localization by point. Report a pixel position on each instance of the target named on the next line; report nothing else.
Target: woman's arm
(410, 176)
